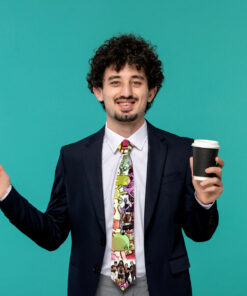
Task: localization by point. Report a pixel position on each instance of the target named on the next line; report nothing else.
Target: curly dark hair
(122, 49)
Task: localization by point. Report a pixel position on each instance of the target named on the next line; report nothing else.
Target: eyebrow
(118, 76)
(113, 77)
(138, 77)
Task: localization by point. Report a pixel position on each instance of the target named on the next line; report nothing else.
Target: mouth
(126, 105)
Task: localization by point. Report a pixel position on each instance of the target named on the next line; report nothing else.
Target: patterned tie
(123, 268)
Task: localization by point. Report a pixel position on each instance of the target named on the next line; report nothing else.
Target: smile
(126, 105)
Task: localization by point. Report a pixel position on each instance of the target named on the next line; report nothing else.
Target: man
(130, 168)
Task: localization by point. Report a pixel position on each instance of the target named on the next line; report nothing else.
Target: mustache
(125, 98)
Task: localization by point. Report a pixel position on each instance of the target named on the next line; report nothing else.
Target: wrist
(5, 192)
(203, 201)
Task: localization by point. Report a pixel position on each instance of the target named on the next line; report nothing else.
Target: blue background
(45, 103)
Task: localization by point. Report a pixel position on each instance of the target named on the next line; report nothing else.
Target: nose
(126, 90)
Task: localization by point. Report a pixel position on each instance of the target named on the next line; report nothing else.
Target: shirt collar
(138, 139)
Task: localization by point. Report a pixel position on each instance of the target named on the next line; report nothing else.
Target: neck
(125, 129)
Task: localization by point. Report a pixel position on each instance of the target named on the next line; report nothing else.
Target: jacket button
(102, 242)
(96, 269)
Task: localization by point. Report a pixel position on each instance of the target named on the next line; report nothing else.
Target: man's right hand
(4, 182)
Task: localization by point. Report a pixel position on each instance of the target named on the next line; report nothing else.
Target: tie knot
(125, 147)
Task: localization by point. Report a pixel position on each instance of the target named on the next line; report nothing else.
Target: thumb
(2, 169)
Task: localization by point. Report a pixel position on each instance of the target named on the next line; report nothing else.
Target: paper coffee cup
(204, 153)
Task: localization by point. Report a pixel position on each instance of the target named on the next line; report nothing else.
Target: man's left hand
(209, 190)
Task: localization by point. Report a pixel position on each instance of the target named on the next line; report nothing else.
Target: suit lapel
(157, 152)
(93, 165)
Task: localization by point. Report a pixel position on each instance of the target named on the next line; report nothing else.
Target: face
(125, 94)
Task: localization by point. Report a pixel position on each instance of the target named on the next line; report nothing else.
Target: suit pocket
(177, 176)
(179, 264)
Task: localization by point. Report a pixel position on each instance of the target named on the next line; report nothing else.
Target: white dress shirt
(111, 158)
(7, 193)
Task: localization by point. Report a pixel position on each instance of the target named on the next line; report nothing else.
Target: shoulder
(171, 138)
(83, 143)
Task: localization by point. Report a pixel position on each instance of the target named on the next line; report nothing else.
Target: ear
(151, 93)
(98, 93)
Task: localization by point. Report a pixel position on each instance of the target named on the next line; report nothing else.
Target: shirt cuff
(9, 189)
(207, 207)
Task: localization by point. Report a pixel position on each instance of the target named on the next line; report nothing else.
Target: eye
(115, 82)
(137, 83)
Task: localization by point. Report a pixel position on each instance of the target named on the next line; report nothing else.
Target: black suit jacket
(77, 205)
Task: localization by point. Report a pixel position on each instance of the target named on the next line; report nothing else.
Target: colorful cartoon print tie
(123, 268)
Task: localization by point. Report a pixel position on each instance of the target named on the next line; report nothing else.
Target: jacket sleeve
(198, 223)
(49, 229)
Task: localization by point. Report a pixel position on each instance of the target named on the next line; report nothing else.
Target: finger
(213, 189)
(211, 181)
(220, 161)
(214, 170)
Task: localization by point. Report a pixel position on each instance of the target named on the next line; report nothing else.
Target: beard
(126, 117)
